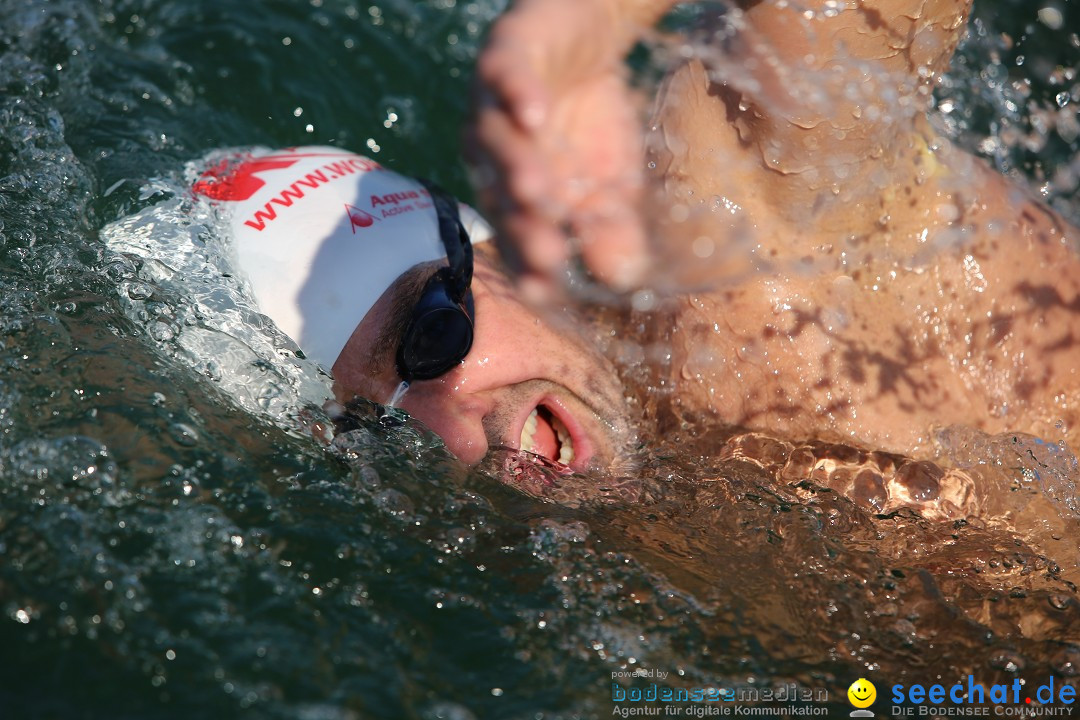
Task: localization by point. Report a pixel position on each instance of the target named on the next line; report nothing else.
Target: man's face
(525, 383)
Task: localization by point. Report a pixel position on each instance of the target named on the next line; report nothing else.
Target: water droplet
(162, 331)
(139, 291)
(1008, 661)
(1067, 661)
(184, 434)
(449, 711)
(643, 300)
(703, 247)
(1051, 17)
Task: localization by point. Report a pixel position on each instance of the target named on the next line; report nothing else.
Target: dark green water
(165, 552)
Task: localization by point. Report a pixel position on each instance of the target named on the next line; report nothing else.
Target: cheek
(503, 322)
(512, 343)
(512, 340)
(511, 327)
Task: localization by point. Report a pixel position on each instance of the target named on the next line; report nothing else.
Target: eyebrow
(405, 294)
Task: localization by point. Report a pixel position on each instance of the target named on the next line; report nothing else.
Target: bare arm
(557, 140)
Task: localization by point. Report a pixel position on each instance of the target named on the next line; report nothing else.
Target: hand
(556, 141)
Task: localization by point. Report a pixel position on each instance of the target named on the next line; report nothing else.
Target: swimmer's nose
(452, 413)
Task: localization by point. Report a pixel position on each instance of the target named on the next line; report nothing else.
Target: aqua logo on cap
(321, 233)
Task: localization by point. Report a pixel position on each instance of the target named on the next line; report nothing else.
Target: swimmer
(872, 283)
(860, 279)
(381, 279)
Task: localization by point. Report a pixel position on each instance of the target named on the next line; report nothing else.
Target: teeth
(566, 443)
(528, 432)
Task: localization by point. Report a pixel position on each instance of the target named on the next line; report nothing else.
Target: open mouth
(544, 434)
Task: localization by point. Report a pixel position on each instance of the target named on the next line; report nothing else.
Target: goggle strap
(461, 273)
(459, 255)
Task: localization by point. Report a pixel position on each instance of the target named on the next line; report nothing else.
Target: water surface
(176, 542)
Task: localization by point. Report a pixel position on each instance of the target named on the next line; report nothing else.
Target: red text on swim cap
(238, 182)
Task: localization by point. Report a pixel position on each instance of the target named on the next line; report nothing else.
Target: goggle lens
(437, 340)
(440, 333)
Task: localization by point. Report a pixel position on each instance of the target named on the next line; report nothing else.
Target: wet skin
(863, 281)
(518, 363)
(873, 282)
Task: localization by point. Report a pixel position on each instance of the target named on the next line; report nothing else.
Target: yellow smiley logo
(862, 693)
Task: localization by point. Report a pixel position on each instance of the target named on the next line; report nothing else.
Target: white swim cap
(321, 233)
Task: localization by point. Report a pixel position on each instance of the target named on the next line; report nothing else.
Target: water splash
(399, 394)
(1010, 96)
(173, 260)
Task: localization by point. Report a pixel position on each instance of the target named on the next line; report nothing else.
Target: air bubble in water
(184, 434)
(396, 503)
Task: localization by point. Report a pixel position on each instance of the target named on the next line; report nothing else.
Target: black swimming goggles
(440, 331)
